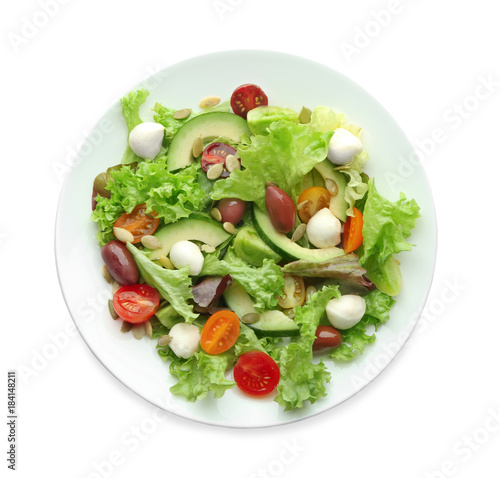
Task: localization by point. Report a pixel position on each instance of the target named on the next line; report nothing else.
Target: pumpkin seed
(215, 171)
(232, 163)
(123, 235)
(250, 318)
(299, 232)
(107, 275)
(197, 147)
(207, 248)
(310, 291)
(181, 114)
(303, 204)
(166, 263)
(126, 327)
(305, 115)
(164, 340)
(331, 186)
(209, 102)
(215, 213)
(151, 242)
(112, 310)
(228, 227)
(271, 183)
(139, 331)
(148, 328)
(115, 287)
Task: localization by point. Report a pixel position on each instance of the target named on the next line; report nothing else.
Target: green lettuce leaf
(324, 119)
(355, 339)
(283, 156)
(131, 104)
(386, 225)
(264, 283)
(171, 196)
(300, 379)
(356, 188)
(173, 285)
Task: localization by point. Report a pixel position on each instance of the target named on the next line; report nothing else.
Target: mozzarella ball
(346, 312)
(146, 139)
(343, 147)
(323, 229)
(187, 253)
(185, 340)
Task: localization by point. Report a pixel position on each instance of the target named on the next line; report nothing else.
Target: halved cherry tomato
(216, 153)
(317, 198)
(294, 292)
(138, 222)
(246, 98)
(353, 232)
(136, 303)
(220, 332)
(256, 373)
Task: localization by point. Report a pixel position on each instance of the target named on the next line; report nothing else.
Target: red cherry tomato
(256, 373)
(281, 209)
(138, 222)
(136, 303)
(246, 98)
(216, 153)
(353, 232)
(327, 338)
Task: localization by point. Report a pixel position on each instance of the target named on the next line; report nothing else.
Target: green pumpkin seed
(181, 114)
(305, 115)
(197, 147)
(209, 102)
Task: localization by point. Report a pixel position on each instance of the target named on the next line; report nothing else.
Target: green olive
(100, 183)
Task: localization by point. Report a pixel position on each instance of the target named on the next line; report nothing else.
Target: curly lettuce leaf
(386, 225)
(324, 119)
(171, 196)
(355, 339)
(173, 285)
(356, 188)
(283, 156)
(264, 283)
(131, 104)
(300, 379)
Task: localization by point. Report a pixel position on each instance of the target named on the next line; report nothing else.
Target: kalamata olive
(120, 263)
(327, 338)
(232, 209)
(100, 183)
(281, 209)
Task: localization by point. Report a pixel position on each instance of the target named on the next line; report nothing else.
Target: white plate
(288, 81)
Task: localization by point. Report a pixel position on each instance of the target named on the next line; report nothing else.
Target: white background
(434, 412)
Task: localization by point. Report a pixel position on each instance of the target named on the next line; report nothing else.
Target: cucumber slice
(272, 323)
(203, 230)
(284, 246)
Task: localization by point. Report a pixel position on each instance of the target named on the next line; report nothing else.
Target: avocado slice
(207, 127)
(190, 229)
(317, 177)
(251, 248)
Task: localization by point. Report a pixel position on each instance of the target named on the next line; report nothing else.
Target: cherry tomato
(294, 292)
(136, 303)
(216, 153)
(353, 232)
(327, 338)
(138, 222)
(256, 373)
(281, 209)
(220, 332)
(232, 209)
(317, 198)
(246, 98)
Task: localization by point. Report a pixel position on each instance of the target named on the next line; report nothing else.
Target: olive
(281, 209)
(120, 263)
(100, 183)
(327, 338)
(232, 209)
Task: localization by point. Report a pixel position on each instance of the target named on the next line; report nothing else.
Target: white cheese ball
(346, 312)
(187, 253)
(146, 139)
(323, 229)
(343, 147)
(185, 340)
